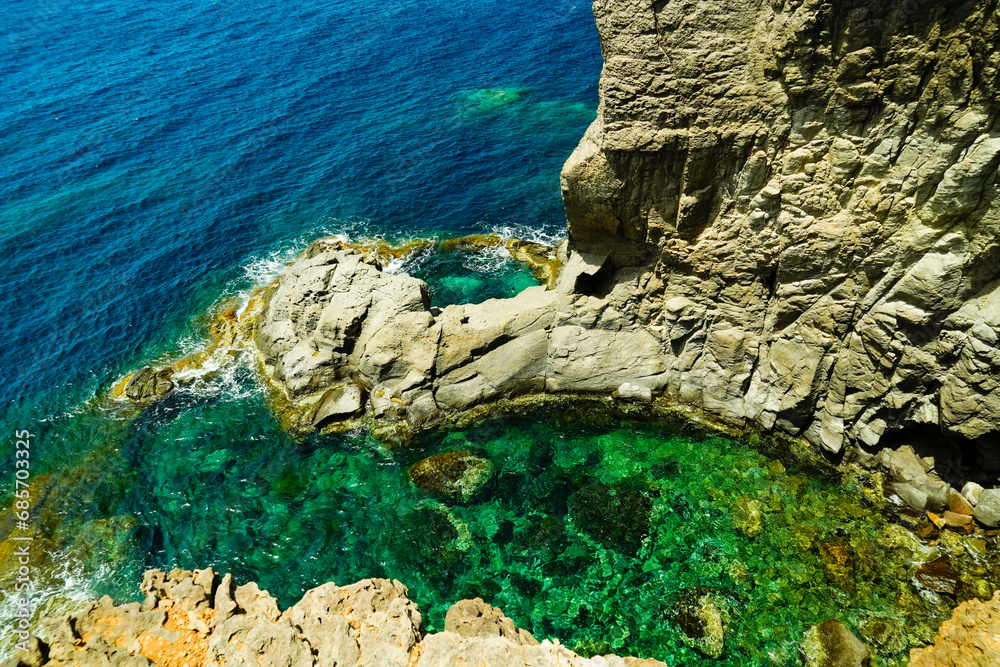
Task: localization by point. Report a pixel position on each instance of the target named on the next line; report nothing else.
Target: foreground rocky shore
(199, 619)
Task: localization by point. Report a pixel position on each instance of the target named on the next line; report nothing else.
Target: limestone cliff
(811, 187)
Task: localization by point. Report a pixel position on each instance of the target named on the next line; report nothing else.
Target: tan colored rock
(195, 618)
(959, 505)
(475, 618)
(820, 216)
(968, 639)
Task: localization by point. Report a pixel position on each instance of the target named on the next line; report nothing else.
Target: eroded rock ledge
(342, 337)
(199, 619)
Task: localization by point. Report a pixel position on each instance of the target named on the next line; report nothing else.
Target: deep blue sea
(162, 160)
(152, 151)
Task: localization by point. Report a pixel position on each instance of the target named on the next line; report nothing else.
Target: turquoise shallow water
(590, 530)
(153, 151)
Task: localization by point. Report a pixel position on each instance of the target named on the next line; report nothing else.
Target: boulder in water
(148, 383)
(701, 615)
(831, 644)
(458, 475)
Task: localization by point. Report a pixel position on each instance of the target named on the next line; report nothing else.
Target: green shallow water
(589, 531)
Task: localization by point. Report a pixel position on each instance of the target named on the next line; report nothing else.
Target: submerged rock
(617, 516)
(838, 564)
(885, 633)
(701, 614)
(748, 516)
(457, 475)
(939, 576)
(831, 644)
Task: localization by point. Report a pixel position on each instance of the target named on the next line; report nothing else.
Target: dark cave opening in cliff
(955, 459)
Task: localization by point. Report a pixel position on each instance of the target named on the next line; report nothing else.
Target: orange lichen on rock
(187, 648)
(971, 638)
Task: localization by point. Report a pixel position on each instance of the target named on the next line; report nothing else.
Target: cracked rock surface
(810, 188)
(199, 619)
(335, 320)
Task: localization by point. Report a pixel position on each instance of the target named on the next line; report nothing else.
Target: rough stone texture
(988, 507)
(971, 638)
(337, 403)
(810, 189)
(148, 383)
(197, 619)
(458, 475)
(336, 317)
(913, 479)
(831, 644)
(476, 618)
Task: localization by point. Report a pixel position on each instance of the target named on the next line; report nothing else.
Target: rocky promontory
(200, 619)
(784, 215)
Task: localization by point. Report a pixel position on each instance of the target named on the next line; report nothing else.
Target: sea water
(163, 158)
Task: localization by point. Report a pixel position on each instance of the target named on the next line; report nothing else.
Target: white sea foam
(548, 235)
(488, 260)
(410, 263)
(71, 585)
(222, 374)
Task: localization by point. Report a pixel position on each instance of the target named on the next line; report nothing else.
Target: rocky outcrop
(785, 214)
(971, 638)
(810, 190)
(336, 322)
(199, 619)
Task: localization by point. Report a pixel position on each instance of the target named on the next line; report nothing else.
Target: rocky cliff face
(810, 188)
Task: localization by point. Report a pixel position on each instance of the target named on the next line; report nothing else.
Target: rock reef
(336, 323)
(200, 619)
